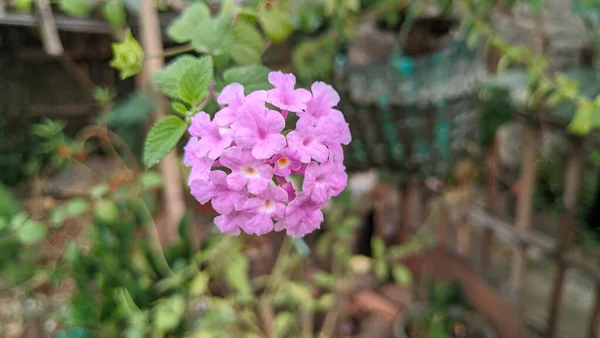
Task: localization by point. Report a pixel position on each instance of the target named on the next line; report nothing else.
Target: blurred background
(472, 208)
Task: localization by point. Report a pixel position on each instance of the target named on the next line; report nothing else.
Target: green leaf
(98, 191)
(582, 121)
(180, 108)
(381, 269)
(169, 80)
(167, 313)
(23, 5)
(188, 23)
(128, 56)
(199, 284)
(251, 77)
(76, 207)
(76, 8)
(237, 275)
(325, 302)
(3, 223)
(378, 247)
(248, 44)
(402, 275)
(31, 231)
(151, 180)
(163, 137)
(323, 279)
(215, 36)
(283, 323)
(114, 12)
(193, 84)
(277, 25)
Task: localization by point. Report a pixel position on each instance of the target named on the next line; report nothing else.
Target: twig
(172, 51)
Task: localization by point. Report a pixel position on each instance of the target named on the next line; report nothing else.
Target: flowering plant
(242, 160)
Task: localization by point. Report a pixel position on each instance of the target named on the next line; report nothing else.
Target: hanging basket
(411, 113)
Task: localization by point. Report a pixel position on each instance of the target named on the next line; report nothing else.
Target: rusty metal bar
(565, 238)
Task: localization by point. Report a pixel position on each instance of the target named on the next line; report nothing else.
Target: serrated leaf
(167, 313)
(31, 231)
(168, 79)
(277, 25)
(188, 23)
(193, 84)
(76, 207)
(76, 8)
(402, 276)
(163, 137)
(180, 108)
(114, 12)
(215, 36)
(283, 323)
(248, 44)
(251, 77)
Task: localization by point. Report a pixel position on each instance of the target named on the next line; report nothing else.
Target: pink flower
(284, 96)
(232, 222)
(339, 135)
(200, 165)
(232, 97)
(302, 216)
(263, 208)
(260, 130)
(308, 139)
(323, 181)
(212, 140)
(286, 161)
(246, 170)
(324, 98)
(224, 199)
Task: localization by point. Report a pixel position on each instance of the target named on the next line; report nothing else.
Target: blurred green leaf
(58, 216)
(167, 313)
(284, 321)
(247, 45)
(251, 77)
(76, 206)
(199, 284)
(23, 5)
(215, 37)
(163, 137)
(98, 191)
(76, 8)
(114, 12)
(237, 275)
(323, 279)
(189, 22)
(276, 24)
(402, 276)
(31, 231)
(151, 180)
(381, 269)
(378, 247)
(180, 108)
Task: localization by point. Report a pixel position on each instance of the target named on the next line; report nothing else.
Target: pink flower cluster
(242, 159)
